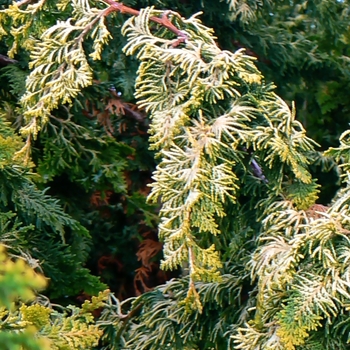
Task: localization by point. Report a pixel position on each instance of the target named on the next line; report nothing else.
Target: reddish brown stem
(250, 52)
(4, 60)
(163, 21)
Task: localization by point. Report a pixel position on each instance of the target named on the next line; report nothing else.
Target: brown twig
(5, 60)
(134, 114)
(163, 21)
(115, 6)
(250, 52)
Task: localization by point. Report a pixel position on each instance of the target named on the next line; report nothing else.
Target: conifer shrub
(262, 264)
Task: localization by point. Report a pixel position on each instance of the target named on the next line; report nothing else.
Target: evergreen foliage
(30, 217)
(262, 264)
(39, 327)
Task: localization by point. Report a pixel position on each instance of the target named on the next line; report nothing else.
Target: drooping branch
(115, 6)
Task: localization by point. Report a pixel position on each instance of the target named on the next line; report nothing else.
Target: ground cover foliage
(238, 138)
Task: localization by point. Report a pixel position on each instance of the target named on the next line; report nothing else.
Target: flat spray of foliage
(232, 171)
(36, 326)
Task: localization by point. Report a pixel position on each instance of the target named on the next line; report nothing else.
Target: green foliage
(28, 216)
(18, 280)
(262, 266)
(38, 327)
(208, 108)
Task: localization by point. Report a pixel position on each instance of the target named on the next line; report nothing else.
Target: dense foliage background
(77, 210)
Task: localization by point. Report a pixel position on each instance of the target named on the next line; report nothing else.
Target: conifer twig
(115, 6)
(23, 2)
(5, 60)
(164, 20)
